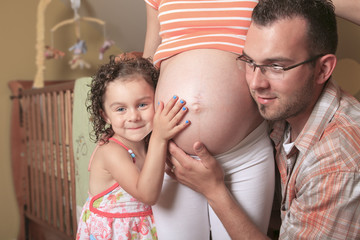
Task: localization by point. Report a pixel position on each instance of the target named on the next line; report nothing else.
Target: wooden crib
(43, 159)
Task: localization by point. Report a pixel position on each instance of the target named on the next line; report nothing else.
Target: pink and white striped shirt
(188, 24)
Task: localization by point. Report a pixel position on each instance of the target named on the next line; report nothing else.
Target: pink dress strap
(127, 149)
(118, 142)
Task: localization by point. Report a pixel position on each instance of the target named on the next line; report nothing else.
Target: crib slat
(33, 152)
(38, 156)
(46, 128)
(67, 165)
(41, 158)
(37, 159)
(65, 175)
(29, 153)
(27, 162)
(58, 165)
(72, 162)
(52, 160)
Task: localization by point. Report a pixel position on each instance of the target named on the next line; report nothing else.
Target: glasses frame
(275, 67)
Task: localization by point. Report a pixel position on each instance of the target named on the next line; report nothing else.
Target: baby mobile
(79, 48)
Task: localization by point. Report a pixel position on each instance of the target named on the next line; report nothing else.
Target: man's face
(283, 43)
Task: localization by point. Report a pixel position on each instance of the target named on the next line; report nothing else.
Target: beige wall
(17, 41)
(347, 71)
(18, 21)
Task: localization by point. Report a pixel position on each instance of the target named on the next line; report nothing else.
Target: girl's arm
(168, 121)
(348, 9)
(152, 37)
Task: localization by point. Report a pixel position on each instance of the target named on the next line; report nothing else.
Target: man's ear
(327, 66)
(104, 116)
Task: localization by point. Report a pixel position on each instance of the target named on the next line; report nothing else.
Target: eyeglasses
(271, 71)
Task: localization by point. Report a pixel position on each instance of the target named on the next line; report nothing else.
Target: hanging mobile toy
(79, 47)
(77, 61)
(107, 44)
(52, 53)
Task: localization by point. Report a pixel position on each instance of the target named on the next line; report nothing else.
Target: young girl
(126, 173)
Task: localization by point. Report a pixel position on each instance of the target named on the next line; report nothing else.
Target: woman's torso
(221, 109)
(200, 43)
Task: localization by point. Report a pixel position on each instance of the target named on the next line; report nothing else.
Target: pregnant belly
(221, 110)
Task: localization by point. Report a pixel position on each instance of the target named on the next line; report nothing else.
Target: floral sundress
(115, 214)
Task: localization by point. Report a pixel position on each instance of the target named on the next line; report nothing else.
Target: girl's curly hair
(117, 68)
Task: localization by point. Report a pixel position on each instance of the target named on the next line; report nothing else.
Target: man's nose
(256, 79)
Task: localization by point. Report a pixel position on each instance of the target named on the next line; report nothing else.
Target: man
(288, 59)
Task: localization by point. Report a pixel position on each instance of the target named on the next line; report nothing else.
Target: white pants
(183, 214)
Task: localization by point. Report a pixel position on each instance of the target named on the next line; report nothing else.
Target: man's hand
(202, 175)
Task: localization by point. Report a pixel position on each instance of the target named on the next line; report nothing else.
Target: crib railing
(49, 174)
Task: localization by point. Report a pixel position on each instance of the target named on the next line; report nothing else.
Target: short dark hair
(319, 14)
(117, 68)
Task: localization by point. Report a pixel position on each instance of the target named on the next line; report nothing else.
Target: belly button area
(196, 105)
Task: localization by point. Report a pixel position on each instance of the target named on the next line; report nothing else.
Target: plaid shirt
(320, 177)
